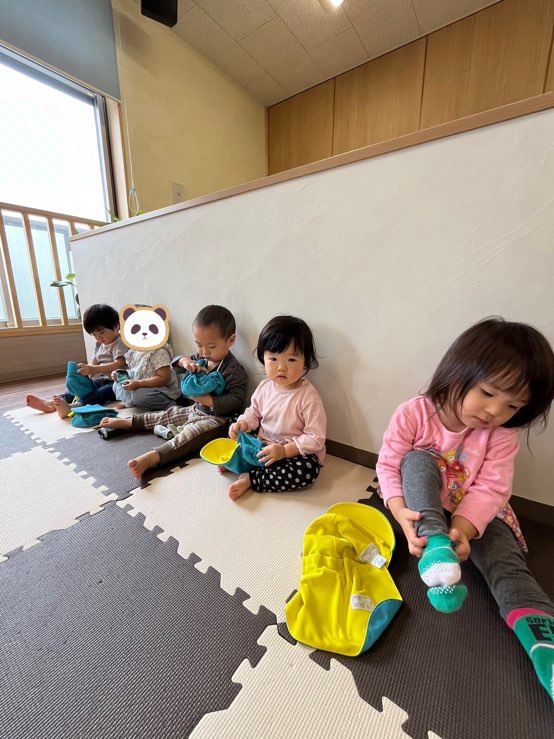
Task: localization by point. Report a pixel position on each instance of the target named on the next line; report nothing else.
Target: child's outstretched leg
(40, 404)
(439, 566)
(523, 604)
(116, 423)
(240, 486)
(535, 631)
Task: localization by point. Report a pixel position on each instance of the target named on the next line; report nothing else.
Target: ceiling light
(336, 3)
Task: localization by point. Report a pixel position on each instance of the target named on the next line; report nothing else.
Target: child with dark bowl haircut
(102, 323)
(214, 332)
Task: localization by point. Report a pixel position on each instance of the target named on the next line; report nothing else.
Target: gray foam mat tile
(464, 674)
(13, 439)
(105, 631)
(106, 460)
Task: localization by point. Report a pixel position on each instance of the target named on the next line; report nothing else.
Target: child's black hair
(515, 355)
(100, 316)
(217, 315)
(281, 332)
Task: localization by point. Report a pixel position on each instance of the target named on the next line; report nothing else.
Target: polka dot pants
(288, 474)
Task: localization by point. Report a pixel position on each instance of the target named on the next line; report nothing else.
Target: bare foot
(222, 470)
(62, 406)
(121, 406)
(139, 465)
(116, 423)
(39, 404)
(239, 487)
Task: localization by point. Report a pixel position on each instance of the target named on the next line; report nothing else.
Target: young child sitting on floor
(446, 467)
(286, 410)
(149, 381)
(102, 322)
(214, 331)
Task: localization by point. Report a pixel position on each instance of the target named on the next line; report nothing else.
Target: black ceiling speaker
(163, 11)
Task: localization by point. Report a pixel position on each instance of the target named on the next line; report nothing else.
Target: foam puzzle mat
(157, 610)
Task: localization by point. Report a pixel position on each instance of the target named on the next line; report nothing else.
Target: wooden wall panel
(549, 82)
(300, 129)
(39, 355)
(492, 58)
(379, 100)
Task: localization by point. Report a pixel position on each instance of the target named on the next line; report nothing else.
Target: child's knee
(420, 462)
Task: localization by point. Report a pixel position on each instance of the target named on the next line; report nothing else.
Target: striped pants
(199, 429)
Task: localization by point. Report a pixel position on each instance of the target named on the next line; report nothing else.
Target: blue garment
(236, 456)
(195, 384)
(78, 385)
(101, 394)
(86, 416)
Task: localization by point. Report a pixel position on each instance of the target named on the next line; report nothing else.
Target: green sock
(439, 564)
(535, 631)
(447, 598)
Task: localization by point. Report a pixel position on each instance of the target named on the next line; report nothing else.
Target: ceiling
(277, 48)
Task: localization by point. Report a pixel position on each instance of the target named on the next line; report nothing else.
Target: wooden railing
(35, 251)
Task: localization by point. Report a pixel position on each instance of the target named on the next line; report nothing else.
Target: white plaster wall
(388, 260)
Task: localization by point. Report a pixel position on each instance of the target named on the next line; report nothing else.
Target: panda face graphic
(144, 329)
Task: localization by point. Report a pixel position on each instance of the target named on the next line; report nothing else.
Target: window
(55, 150)
(54, 163)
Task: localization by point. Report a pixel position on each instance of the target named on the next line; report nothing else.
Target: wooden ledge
(461, 125)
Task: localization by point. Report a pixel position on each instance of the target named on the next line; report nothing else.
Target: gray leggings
(496, 554)
(143, 397)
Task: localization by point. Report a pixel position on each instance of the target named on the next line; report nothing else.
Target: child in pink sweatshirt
(287, 411)
(446, 467)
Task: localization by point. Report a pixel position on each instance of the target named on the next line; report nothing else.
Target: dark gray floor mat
(106, 460)
(107, 632)
(13, 439)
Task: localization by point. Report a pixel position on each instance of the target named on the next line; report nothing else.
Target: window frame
(59, 81)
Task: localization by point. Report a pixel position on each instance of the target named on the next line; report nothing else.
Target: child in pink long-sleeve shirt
(446, 467)
(287, 411)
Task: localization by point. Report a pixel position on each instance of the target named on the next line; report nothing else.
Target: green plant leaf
(70, 276)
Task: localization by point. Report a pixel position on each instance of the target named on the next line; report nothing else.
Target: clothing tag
(361, 603)
(371, 555)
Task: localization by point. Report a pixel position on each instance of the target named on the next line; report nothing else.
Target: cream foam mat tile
(255, 542)
(39, 494)
(49, 427)
(288, 695)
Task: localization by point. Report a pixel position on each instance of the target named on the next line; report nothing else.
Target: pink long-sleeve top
(477, 462)
(283, 415)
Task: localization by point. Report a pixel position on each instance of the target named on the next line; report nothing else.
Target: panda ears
(162, 311)
(128, 310)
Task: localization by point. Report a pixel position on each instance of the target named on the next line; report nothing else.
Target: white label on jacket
(361, 603)
(371, 555)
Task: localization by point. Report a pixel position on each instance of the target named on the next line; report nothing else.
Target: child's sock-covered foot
(447, 598)
(439, 564)
(535, 631)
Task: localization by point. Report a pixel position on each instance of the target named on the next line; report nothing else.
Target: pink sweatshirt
(284, 415)
(477, 461)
